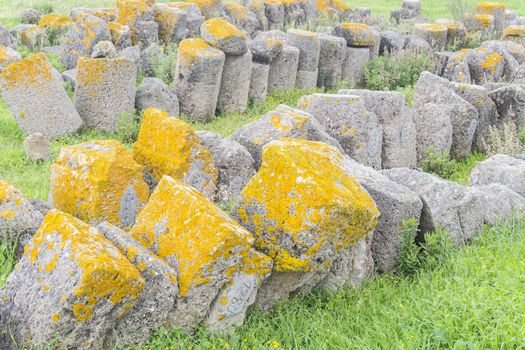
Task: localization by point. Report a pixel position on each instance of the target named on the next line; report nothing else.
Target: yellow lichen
(55, 317)
(129, 12)
(492, 61)
(221, 29)
(54, 21)
(355, 27)
(236, 10)
(489, 7)
(192, 50)
(514, 31)
(90, 180)
(431, 27)
(31, 72)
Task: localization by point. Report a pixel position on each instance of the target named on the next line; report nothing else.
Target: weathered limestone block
(8, 56)
(30, 35)
(172, 23)
(212, 253)
(147, 33)
(30, 16)
(19, 220)
(501, 169)
(434, 34)
(446, 205)
(456, 30)
(224, 36)
(36, 98)
(433, 130)
(417, 45)
(199, 72)
(510, 103)
(345, 118)
(486, 66)
(233, 161)
(105, 90)
(194, 17)
(36, 148)
(235, 83)
(356, 34)
(455, 67)
(274, 11)
(281, 122)
(391, 42)
(266, 46)
(241, 17)
(259, 82)
(309, 49)
(496, 10)
(510, 47)
(168, 146)
(354, 64)
(120, 35)
(69, 289)
(331, 58)
(479, 22)
(131, 12)
(499, 201)
(155, 306)
(514, 33)
(304, 210)
(80, 39)
(104, 49)
(154, 93)
(98, 181)
(399, 130)
(210, 8)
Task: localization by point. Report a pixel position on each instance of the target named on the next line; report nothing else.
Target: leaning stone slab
(105, 90)
(345, 118)
(37, 99)
(19, 220)
(69, 290)
(155, 306)
(168, 146)
(499, 202)
(120, 35)
(235, 165)
(501, 169)
(8, 56)
(172, 23)
(399, 130)
(446, 205)
(309, 49)
(283, 121)
(211, 252)
(331, 58)
(154, 93)
(295, 207)
(98, 181)
(510, 103)
(486, 66)
(199, 72)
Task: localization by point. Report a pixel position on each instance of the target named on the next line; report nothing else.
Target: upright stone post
(309, 48)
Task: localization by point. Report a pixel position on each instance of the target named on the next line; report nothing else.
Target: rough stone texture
(295, 206)
(37, 99)
(147, 33)
(510, 103)
(496, 10)
(36, 148)
(212, 253)
(446, 205)
(274, 11)
(242, 18)
(499, 202)
(391, 42)
(149, 59)
(199, 72)
(30, 16)
(266, 46)
(210, 8)
(463, 116)
(134, 54)
(168, 146)
(172, 23)
(283, 70)
(131, 12)
(515, 49)
(154, 93)
(120, 35)
(104, 49)
(194, 17)
(19, 220)
(6, 39)
(309, 49)
(30, 35)
(8, 56)
(418, 45)
(283, 121)
(224, 36)
(233, 161)
(331, 58)
(433, 130)
(259, 82)
(501, 169)
(511, 64)
(399, 130)
(155, 307)
(98, 181)
(70, 76)
(235, 84)
(486, 66)
(354, 64)
(455, 67)
(456, 30)
(434, 34)
(81, 37)
(105, 91)
(69, 289)
(356, 34)
(345, 118)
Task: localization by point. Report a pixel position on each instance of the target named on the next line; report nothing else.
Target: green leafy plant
(128, 127)
(409, 261)
(506, 140)
(165, 66)
(450, 169)
(7, 256)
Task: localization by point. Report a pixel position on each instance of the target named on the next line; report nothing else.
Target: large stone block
(499, 202)
(210, 8)
(259, 82)
(356, 34)
(194, 17)
(224, 36)
(154, 93)
(69, 289)
(105, 90)
(131, 12)
(496, 10)
(172, 23)
(304, 210)
(331, 58)
(281, 122)
(345, 118)
(355, 59)
(309, 49)
(168, 146)
(199, 72)
(244, 19)
(502, 169)
(36, 98)
(235, 83)
(212, 253)
(510, 104)
(98, 181)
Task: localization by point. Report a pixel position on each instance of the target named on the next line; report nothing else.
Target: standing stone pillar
(199, 72)
(309, 48)
(331, 59)
(259, 82)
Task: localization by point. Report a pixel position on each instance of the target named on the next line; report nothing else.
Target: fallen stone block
(154, 93)
(98, 181)
(510, 103)
(36, 98)
(104, 49)
(212, 253)
(224, 36)
(499, 202)
(486, 66)
(502, 169)
(131, 12)
(168, 146)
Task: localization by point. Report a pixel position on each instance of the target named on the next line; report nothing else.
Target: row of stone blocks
(311, 217)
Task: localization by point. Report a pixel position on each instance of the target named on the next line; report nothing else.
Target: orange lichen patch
(489, 7)
(106, 273)
(167, 17)
(7, 214)
(484, 20)
(186, 229)
(168, 146)
(308, 199)
(54, 21)
(9, 193)
(514, 31)
(355, 27)
(273, 3)
(236, 10)
(492, 61)
(289, 3)
(130, 11)
(431, 27)
(116, 30)
(207, 6)
(91, 179)
(7, 55)
(453, 27)
(180, 5)
(341, 6)
(192, 50)
(31, 72)
(107, 14)
(221, 29)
